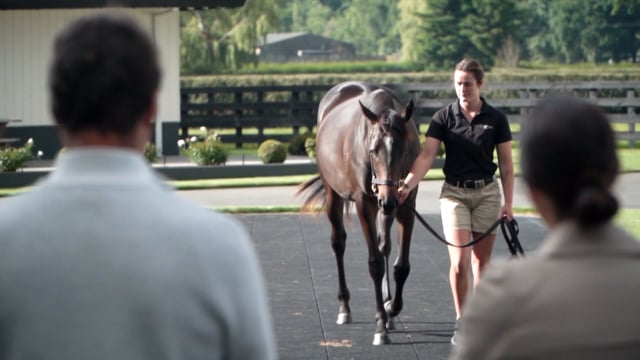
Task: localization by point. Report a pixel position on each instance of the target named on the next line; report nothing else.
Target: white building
(27, 30)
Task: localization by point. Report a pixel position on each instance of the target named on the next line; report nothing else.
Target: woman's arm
(505, 163)
(420, 166)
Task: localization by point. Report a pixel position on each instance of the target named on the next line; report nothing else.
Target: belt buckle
(468, 184)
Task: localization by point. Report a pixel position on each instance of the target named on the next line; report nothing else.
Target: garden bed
(179, 169)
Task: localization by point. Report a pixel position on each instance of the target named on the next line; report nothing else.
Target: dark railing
(252, 110)
(246, 108)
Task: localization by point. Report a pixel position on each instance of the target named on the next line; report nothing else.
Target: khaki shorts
(470, 209)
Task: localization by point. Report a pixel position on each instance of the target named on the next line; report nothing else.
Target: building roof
(277, 37)
(76, 4)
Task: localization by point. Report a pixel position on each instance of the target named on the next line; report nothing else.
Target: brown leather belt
(470, 183)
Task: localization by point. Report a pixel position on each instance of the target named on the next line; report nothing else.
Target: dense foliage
(210, 151)
(272, 151)
(297, 144)
(14, 158)
(432, 34)
(150, 152)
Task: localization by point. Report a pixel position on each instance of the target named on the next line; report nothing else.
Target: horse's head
(388, 152)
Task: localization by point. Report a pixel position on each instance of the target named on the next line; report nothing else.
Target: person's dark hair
(568, 152)
(471, 66)
(104, 74)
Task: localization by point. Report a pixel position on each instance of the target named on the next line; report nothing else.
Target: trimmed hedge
(546, 72)
(272, 151)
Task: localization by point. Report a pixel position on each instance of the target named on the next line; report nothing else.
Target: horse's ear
(368, 113)
(408, 110)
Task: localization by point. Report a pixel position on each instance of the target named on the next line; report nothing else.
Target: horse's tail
(313, 194)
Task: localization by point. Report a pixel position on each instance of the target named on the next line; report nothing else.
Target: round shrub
(272, 151)
(296, 145)
(211, 151)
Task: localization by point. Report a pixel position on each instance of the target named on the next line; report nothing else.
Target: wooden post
(211, 101)
(260, 112)
(184, 113)
(238, 113)
(631, 112)
(294, 113)
(310, 112)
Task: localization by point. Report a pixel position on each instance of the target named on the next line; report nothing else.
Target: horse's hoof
(381, 339)
(343, 318)
(390, 324)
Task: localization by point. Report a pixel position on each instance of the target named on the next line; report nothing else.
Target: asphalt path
(300, 270)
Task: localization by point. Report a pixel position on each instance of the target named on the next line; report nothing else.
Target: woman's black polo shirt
(469, 146)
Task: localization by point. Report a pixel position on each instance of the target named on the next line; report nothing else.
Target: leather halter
(384, 182)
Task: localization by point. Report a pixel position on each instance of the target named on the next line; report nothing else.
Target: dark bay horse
(365, 144)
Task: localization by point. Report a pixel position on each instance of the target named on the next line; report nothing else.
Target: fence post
(260, 112)
(631, 112)
(294, 113)
(184, 105)
(238, 112)
(309, 97)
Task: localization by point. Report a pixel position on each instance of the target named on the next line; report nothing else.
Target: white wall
(26, 38)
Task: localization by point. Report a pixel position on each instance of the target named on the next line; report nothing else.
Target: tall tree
(449, 30)
(412, 34)
(311, 16)
(489, 24)
(225, 38)
(370, 25)
(444, 44)
(590, 30)
(624, 25)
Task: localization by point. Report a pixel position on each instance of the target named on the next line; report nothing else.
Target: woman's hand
(506, 211)
(403, 192)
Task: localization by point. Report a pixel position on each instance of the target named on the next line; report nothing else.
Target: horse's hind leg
(335, 212)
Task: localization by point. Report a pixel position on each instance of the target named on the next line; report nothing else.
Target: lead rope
(510, 231)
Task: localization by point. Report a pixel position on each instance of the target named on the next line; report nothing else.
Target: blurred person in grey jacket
(577, 297)
(102, 260)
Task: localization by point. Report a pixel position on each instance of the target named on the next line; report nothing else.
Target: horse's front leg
(383, 225)
(335, 213)
(367, 215)
(401, 266)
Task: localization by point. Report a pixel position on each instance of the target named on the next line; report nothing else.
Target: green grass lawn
(630, 220)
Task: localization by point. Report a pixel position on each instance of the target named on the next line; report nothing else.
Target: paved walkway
(301, 279)
(301, 275)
